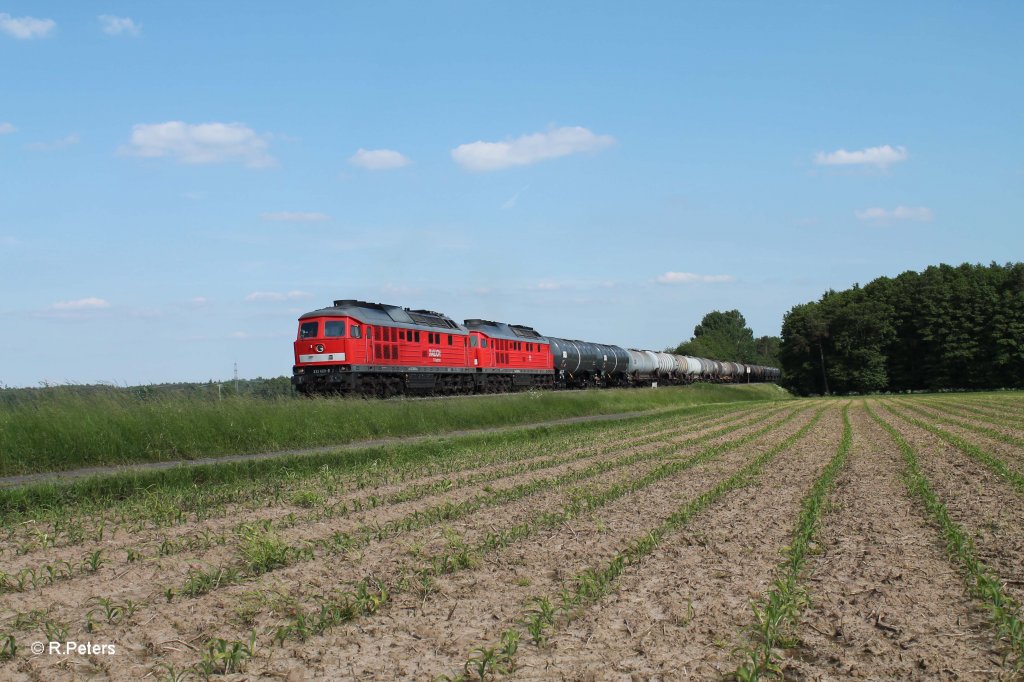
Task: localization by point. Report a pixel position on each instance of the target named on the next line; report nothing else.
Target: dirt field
(664, 549)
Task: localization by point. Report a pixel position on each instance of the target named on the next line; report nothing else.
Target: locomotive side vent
(431, 319)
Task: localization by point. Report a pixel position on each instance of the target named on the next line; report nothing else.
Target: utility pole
(824, 378)
(236, 379)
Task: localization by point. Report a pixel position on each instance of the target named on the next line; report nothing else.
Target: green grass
(67, 430)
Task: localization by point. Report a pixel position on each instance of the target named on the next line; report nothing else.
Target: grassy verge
(982, 581)
(72, 431)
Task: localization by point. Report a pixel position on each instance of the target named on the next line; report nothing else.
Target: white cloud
(200, 143)
(529, 149)
(7, 129)
(692, 278)
(295, 217)
(920, 214)
(379, 159)
(872, 156)
(91, 303)
(199, 300)
(25, 28)
(115, 26)
(68, 141)
(274, 296)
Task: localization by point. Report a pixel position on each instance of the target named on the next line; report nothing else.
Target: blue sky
(178, 181)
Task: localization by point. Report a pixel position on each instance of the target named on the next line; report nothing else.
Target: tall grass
(68, 430)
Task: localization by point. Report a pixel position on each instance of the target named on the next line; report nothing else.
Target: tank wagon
(376, 349)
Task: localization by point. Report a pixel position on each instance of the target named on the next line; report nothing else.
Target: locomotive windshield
(334, 328)
(308, 330)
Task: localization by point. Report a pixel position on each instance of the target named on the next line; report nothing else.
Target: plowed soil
(883, 599)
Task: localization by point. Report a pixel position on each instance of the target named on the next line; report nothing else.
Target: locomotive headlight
(319, 348)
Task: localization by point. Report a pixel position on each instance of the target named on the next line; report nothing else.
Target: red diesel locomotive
(384, 350)
(373, 349)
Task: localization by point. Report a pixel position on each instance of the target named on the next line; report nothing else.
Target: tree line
(726, 336)
(948, 327)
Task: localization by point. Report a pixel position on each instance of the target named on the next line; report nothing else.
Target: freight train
(374, 349)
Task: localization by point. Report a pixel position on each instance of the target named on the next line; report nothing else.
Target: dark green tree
(726, 336)
(947, 327)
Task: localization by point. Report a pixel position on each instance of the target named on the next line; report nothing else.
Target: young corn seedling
(223, 657)
(483, 662)
(94, 561)
(8, 647)
(168, 673)
(55, 631)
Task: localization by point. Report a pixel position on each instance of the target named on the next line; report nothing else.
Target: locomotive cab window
(483, 343)
(334, 328)
(472, 341)
(357, 333)
(449, 339)
(308, 330)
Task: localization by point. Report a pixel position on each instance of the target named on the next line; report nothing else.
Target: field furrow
(676, 612)
(999, 458)
(994, 430)
(984, 504)
(354, 557)
(885, 603)
(59, 519)
(228, 561)
(819, 539)
(362, 499)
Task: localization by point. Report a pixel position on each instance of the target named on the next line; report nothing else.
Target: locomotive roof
(389, 315)
(502, 330)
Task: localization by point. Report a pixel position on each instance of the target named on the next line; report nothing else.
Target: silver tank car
(642, 364)
(692, 366)
(666, 364)
(681, 366)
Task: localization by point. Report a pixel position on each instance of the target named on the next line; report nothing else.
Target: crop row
(207, 539)
(459, 555)
(262, 551)
(543, 614)
(984, 584)
(994, 463)
(171, 497)
(777, 613)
